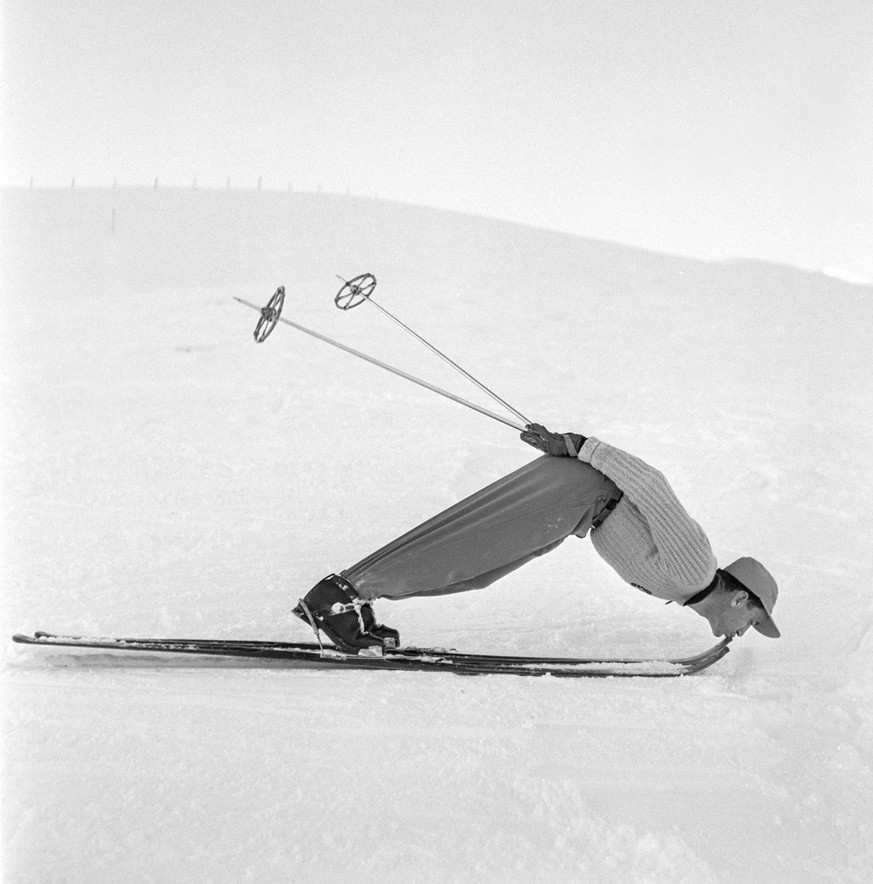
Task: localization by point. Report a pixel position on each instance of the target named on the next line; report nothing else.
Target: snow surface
(163, 475)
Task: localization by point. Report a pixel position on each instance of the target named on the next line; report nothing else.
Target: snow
(163, 475)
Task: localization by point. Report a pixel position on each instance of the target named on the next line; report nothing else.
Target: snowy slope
(164, 475)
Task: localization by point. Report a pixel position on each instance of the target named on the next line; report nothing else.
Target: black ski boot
(333, 606)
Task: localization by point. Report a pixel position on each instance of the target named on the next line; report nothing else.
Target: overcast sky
(712, 128)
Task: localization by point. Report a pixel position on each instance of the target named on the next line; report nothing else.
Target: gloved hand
(556, 444)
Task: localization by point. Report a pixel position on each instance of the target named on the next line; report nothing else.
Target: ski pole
(270, 316)
(359, 289)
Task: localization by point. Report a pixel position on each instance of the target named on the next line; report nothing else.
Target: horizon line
(832, 272)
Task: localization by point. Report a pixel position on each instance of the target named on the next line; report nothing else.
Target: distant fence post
(260, 182)
(73, 183)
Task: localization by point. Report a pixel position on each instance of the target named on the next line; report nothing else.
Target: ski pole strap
(611, 504)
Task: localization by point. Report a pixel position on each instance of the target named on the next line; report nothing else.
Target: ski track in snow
(165, 476)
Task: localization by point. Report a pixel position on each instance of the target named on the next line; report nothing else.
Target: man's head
(744, 595)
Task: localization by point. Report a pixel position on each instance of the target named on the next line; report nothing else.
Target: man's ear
(739, 598)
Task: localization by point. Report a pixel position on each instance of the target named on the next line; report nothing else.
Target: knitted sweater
(649, 538)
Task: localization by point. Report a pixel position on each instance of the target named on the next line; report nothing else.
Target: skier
(581, 485)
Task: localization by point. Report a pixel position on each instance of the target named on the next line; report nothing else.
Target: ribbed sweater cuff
(588, 449)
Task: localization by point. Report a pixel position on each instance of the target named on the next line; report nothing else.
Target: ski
(406, 658)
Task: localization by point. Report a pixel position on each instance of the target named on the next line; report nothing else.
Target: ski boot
(334, 607)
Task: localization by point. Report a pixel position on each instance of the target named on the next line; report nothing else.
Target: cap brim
(768, 627)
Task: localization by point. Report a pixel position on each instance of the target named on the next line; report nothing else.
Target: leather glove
(556, 444)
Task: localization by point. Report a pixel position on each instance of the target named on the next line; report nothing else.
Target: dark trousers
(489, 534)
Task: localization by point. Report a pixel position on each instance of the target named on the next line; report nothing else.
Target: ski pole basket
(270, 315)
(355, 291)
